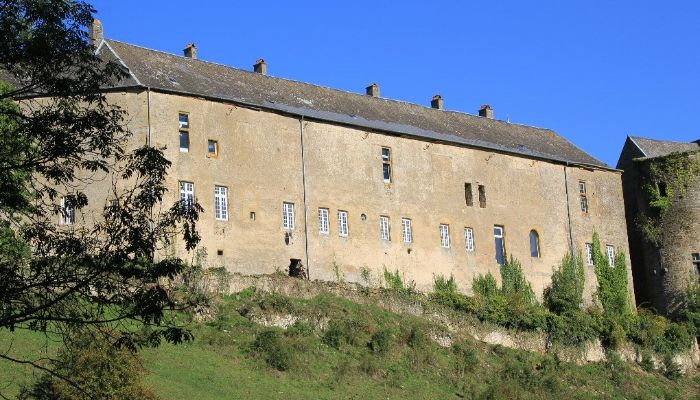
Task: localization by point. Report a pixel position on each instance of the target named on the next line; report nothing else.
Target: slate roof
(171, 73)
(658, 148)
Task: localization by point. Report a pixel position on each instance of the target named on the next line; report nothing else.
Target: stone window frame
(468, 194)
(184, 129)
(583, 196)
(288, 215)
(187, 195)
(589, 253)
(386, 164)
(610, 252)
(469, 239)
(445, 236)
(502, 237)
(407, 230)
(215, 153)
(385, 228)
(324, 225)
(343, 227)
(221, 202)
(535, 247)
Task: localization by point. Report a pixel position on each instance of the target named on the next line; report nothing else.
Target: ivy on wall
(613, 290)
(663, 180)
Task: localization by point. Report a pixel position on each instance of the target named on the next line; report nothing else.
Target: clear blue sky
(594, 71)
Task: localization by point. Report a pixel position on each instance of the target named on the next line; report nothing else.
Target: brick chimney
(190, 51)
(260, 67)
(373, 90)
(486, 111)
(96, 32)
(437, 103)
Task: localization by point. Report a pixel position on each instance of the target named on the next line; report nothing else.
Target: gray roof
(658, 148)
(167, 72)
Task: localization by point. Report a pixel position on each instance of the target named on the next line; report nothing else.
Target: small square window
(213, 148)
(219, 252)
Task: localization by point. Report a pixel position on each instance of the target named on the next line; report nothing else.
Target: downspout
(306, 208)
(568, 211)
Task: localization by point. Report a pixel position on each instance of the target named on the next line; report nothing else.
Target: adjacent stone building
(661, 183)
(349, 184)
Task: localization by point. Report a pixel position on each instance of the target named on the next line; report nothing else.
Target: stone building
(349, 184)
(663, 264)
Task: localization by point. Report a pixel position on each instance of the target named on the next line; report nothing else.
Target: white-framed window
(323, 225)
(288, 215)
(343, 223)
(67, 213)
(184, 126)
(469, 238)
(213, 148)
(384, 228)
(583, 198)
(610, 250)
(445, 236)
(406, 230)
(386, 164)
(187, 194)
(498, 233)
(582, 187)
(221, 203)
(589, 253)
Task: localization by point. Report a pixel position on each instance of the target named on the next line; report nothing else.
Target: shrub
(672, 370)
(566, 291)
(465, 359)
(417, 338)
(393, 280)
(613, 291)
(514, 284)
(343, 332)
(380, 342)
(485, 286)
(300, 328)
(445, 292)
(268, 344)
(99, 369)
(647, 362)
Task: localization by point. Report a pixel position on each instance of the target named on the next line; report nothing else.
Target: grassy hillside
(333, 348)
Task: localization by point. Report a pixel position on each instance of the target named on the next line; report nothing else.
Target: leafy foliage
(664, 179)
(613, 289)
(58, 136)
(102, 370)
(566, 292)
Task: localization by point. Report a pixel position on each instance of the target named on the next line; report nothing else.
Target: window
(384, 230)
(500, 244)
(323, 225)
(221, 202)
(213, 148)
(406, 229)
(534, 244)
(589, 253)
(288, 215)
(583, 199)
(696, 262)
(482, 196)
(343, 223)
(468, 196)
(469, 239)
(445, 236)
(386, 164)
(67, 212)
(184, 124)
(610, 250)
(187, 194)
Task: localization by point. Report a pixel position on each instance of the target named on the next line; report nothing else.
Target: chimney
(486, 111)
(373, 90)
(437, 103)
(190, 51)
(260, 67)
(96, 32)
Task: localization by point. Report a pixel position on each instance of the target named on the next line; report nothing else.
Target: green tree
(566, 291)
(59, 135)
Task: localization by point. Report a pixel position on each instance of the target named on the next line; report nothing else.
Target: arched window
(534, 244)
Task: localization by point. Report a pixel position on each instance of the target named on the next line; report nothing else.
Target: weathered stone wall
(260, 162)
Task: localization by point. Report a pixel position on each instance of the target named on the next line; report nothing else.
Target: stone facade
(269, 154)
(661, 273)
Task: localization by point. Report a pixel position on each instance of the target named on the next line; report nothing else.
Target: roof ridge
(330, 88)
(661, 140)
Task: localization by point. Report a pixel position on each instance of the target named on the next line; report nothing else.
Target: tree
(58, 136)
(565, 295)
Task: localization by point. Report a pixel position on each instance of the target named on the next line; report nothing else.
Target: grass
(370, 353)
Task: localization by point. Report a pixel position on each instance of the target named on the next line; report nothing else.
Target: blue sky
(594, 71)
